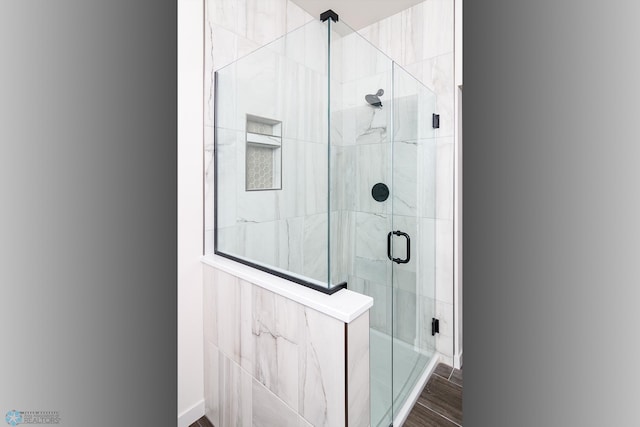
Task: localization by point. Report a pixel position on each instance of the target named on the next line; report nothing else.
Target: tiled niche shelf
(263, 163)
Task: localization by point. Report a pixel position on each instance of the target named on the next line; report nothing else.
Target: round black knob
(380, 192)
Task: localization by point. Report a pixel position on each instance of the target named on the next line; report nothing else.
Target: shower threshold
(412, 370)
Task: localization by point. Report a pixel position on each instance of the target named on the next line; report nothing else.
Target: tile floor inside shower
(408, 367)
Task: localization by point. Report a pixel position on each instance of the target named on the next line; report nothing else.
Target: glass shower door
(411, 240)
(360, 169)
(381, 174)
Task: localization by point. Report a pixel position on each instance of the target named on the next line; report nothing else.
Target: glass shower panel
(413, 242)
(361, 159)
(325, 174)
(271, 157)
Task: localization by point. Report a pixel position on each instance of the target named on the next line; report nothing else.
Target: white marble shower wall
(361, 159)
(233, 29)
(285, 81)
(270, 361)
(420, 40)
(363, 155)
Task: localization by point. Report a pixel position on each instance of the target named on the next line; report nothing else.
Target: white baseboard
(447, 360)
(191, 415)
(457, 361)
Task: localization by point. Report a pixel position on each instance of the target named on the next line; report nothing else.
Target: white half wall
(190, 220)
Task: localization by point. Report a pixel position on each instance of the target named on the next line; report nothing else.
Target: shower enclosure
(324, 175)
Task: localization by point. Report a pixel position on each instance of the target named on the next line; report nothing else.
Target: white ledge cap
(344, 305)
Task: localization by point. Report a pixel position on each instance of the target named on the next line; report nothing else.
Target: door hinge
(435, 326)
(435, 121)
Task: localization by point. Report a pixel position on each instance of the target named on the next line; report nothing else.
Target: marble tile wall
(251, 224)
(420, 40)
(233, 29)
(364, 157)
(271, 361)
(284, 228)
(358, 378)
(322, 370)
(276, 339)
(380, 313)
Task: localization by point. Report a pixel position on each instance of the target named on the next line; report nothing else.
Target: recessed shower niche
(299, 116)
(263, 154)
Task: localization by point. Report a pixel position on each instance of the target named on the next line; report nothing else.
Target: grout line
(446, 418)
(439, 414)
(433, 410)
(448, 380)
(456, 385)
(437, 375)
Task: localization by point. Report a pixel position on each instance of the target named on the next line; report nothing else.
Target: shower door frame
(413, 252)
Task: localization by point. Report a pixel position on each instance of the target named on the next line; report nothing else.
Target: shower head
(374, 100)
